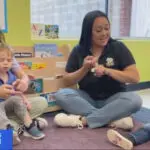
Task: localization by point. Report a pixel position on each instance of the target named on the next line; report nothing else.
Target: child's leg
(16, 105)
(38, 106)
(4, 121)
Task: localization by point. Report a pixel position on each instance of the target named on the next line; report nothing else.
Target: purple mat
(71, 138)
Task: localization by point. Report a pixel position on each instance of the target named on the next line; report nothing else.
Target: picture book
(35, 86)
(45, 50)
(50, 98)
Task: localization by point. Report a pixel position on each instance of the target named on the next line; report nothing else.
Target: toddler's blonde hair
(5, 48)
(3, 45)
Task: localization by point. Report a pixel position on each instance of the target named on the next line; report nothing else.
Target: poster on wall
(3, 16)
(42, 31)
(37, 31)
(51, 31)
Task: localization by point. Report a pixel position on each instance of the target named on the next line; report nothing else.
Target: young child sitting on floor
(129, 140)
(15, 104)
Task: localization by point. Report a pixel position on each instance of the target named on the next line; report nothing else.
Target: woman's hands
(128, 75)
(100, 70)
(89, 62)
(6, 91)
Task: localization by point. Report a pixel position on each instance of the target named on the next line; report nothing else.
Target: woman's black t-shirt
(115, 55)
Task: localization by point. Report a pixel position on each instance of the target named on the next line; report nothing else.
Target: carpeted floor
(72, 138)
(88, 139)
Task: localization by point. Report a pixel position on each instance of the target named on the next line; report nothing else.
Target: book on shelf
(45, 50)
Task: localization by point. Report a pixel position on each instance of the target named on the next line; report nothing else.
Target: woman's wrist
(107, 72)
(85, 69)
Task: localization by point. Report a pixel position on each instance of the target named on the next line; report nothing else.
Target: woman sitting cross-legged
(101, 66)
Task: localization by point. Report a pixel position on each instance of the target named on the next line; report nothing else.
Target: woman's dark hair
(86, 33)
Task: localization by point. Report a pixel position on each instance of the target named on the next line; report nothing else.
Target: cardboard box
(48, 69)
(50, 100)
(53, 84)
(50, 86)
(65, 50)
(28, 51)
(43, 67)
(23, 51)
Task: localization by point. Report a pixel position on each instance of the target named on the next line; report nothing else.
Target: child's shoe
(16, 139)
(41, 123)
(33, 132)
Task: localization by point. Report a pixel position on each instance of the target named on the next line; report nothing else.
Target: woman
(38, 104)
(101, 66)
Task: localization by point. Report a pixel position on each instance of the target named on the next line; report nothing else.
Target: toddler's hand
(24, 99)
(21, 85)
(6, 91)
(28, 105)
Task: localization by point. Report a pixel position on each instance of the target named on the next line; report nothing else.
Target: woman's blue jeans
(98, 112)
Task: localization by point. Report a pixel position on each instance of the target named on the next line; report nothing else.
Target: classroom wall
(19, 35)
